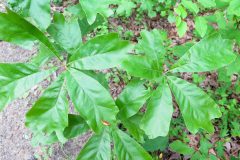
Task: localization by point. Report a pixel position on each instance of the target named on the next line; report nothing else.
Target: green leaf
(39, 138)
(151, 45)
(127, 148)
(213, 157)
(99, 7)
(91, 99)
(149, 65)
(171, 17)
(196, 106)
(182, 28)
(43, 55)
(98, 53)
(158, 143)
(66, 33)
(38, 10)
(100, 77)
(198, 156)
(192, 7)
(76, 126)
(19, 6)
(50, 112)
(16, 79)
(221, 20)
(141, 66)
(83, 23)
(125, 7)
(209, 54)
(234, 68)
(234, 8)
(97, 148)
(201, 26)
(181, 11)
(178, 21)
(17, 30)
(132, 126)
(147, 5)
(207, 3)
(222, 4)
(86, 28)
(10, 24)
(182, 49)
(182, 148)
(157, 118)
(220, 149)
(225, 74)
(232, 34)
(132, 99)
(205, 145)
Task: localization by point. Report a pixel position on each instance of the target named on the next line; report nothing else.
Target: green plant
(49, 118)
(224, 13)
(143, 109)
(190, 99)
